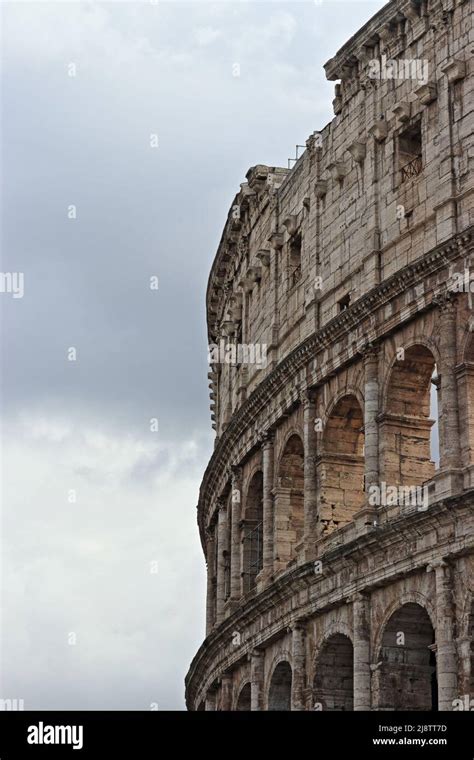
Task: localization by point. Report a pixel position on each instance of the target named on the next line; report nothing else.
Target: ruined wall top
(375, 190)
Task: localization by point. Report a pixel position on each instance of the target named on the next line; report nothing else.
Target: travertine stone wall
(337, 511)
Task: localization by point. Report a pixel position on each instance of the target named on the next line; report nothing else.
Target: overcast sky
(119, 571)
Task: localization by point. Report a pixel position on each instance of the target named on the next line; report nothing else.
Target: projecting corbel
(338, 170)
(379, 130)
(320, 188)
(263, 255)
(455, 70)
(291, 223)
(402, 111)
(427, 93)
(358, 151)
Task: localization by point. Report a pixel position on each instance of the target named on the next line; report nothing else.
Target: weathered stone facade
(340, 551)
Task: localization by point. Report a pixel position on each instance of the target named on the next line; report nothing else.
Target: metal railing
(412, 169)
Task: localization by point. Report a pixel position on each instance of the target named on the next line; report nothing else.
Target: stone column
(450, 453)
(371, 410)
(299, 666)
(446, 668)
(276, 243)
(268, 537)
(256, 680)
(210, 703)
(361, 618)
(226, 692)
(310, 479)
(235, 570)
(221, 549)
(464, 659)
(211, 586)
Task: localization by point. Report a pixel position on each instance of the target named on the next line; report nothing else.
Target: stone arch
(333, 682)
(243, 702)
(341, 464)
(279, 689)
(334, 628)
(466, 647)
(348, 390)
(289, 507)
(427, 343)
(252, 532)
(470, 637)
(467, 352)
(406, 597)
(405, 665)
(405, 428)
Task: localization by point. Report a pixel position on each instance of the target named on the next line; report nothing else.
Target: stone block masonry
(340, 273)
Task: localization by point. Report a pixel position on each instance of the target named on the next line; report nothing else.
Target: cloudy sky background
(165, 68)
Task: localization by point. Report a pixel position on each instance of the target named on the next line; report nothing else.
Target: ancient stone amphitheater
(336, 512)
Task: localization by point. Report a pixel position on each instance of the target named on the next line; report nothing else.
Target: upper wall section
(379, 187)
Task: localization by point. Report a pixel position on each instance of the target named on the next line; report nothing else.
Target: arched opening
(333, 687)
(406, 667)
(470, 636)
(469, 351)
(243, 702)
(341, 466)
(465, 379)
(289, 508)
(406, 438)
(252, 545)
(279, 694)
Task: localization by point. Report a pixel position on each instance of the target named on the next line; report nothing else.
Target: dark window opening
(226, 575)
(344, 303)
(253, 554)
(410, 162)
(295, 259)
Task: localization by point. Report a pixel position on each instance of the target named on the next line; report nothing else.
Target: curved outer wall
(338, 534)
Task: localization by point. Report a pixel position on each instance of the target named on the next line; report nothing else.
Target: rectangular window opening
(344, 303)
(295, 259)
(410, 152)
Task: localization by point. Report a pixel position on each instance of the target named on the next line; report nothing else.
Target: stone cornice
(263, 181)
(382, 29)
(407, 528)
(285, 373)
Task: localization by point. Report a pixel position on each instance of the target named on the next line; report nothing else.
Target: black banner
(110, 734)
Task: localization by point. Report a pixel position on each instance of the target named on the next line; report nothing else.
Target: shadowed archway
(405, 675)
(333, 686)
(279, 694)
